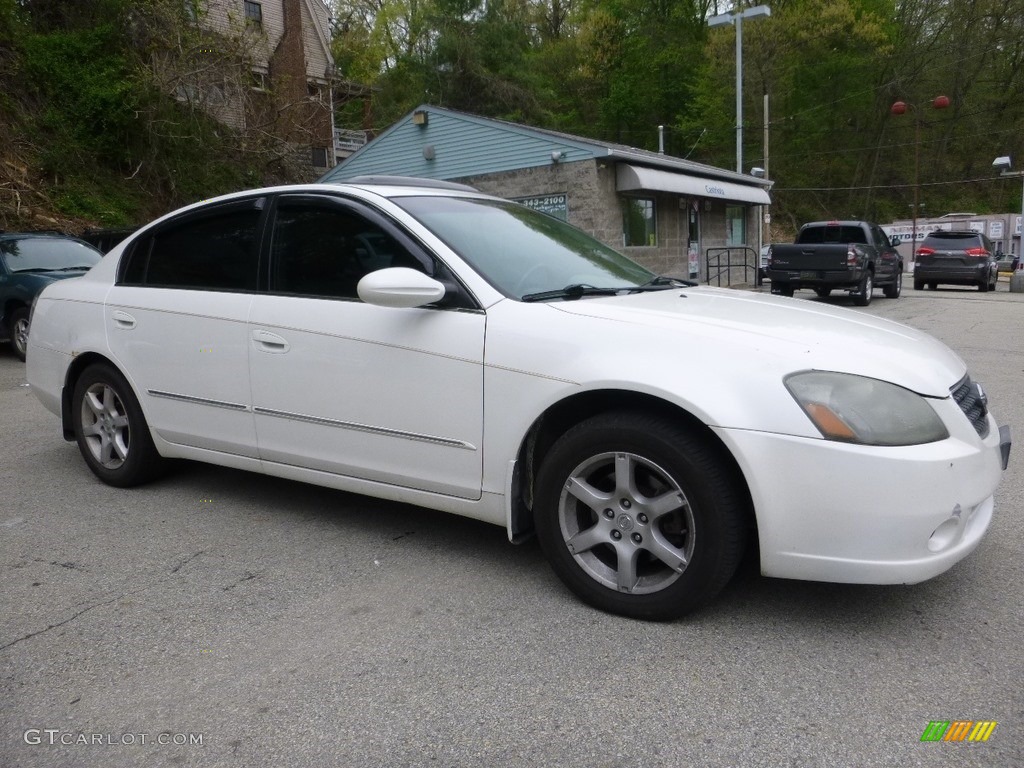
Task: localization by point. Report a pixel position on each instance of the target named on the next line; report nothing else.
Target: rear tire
(983, 286)
(639, 516)
(919, 285)
(111, 429)
(823, 293)
(782, 289)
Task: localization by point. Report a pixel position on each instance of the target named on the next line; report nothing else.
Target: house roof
(463, 145)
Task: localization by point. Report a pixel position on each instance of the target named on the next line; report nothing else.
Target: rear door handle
(270, 342)
(123, 319)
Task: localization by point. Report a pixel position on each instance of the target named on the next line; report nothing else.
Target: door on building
(693, 237)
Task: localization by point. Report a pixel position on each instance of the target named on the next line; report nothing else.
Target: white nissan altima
(424, 343)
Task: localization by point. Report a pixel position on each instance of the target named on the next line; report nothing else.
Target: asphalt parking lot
(218, 618)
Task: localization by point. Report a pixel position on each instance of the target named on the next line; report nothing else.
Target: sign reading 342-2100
(552, 205)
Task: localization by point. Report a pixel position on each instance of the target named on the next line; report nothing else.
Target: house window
(258, 80)
(638, 222)
(735, 225)
(253, 13)
(319, 157)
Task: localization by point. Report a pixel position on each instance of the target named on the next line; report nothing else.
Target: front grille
(973, 403)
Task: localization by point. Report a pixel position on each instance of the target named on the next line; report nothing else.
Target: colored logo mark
(958, 730)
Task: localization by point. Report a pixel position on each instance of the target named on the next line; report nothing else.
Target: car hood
(790, 334)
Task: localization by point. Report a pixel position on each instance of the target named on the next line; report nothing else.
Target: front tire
(111, 430)
(895, 288)
(863, 295)
(640, 517)
(19, 332)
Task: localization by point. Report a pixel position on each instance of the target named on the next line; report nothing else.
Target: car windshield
(46, 254)
(522, 252)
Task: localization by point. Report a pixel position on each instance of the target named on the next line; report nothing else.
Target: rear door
(176, 325)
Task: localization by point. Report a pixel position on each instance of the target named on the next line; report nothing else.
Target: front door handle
(123, 319)
(269, 342)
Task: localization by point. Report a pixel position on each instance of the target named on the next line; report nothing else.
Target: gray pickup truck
(853, 256)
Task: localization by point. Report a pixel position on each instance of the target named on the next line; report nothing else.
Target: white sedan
(424, 343)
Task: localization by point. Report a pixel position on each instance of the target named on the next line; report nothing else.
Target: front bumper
(838, 512)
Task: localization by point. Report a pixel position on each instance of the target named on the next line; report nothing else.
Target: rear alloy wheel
(638, 516)
(111, 430)
(893, 290)
(862, 297)
(19, 332)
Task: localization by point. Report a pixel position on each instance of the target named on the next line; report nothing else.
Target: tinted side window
(216, 252)
(326, 251)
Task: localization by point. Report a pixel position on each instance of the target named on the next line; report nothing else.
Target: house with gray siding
(671, 214)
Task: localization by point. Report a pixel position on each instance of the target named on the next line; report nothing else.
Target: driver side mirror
(399, 287)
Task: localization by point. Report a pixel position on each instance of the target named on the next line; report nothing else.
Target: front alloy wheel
(639, 516)
(627, 522)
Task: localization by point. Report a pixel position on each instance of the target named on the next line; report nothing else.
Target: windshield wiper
(578, 290)
(34, 270)
(668, 282)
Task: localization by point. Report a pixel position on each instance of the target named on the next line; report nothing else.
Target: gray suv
(956, 258)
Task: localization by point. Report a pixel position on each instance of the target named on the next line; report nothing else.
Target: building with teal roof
(673, 215)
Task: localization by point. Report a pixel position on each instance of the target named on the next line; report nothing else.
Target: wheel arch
(566, 413)
(78, 365)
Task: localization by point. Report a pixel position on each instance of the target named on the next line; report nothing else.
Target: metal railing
(737, 264)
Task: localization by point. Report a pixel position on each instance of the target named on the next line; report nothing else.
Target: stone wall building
(672, 215)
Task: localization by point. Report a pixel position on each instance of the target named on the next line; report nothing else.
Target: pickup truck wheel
(19, 332)
(639, 516)
(823, 293)
(893, 290)
(863, 295)
(919, 285)
(782, 290)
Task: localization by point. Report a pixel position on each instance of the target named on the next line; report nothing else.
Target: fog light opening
(944, 536)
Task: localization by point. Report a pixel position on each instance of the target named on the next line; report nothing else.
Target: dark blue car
(28, 263)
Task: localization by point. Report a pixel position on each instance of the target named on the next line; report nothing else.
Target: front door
(383, 394)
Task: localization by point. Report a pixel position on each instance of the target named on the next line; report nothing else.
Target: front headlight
(856, 409)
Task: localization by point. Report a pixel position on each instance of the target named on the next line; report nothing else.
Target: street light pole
(737, 19)
(900, 108)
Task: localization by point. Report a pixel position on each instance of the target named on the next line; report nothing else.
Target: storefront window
(735, 225)
(638, 222)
